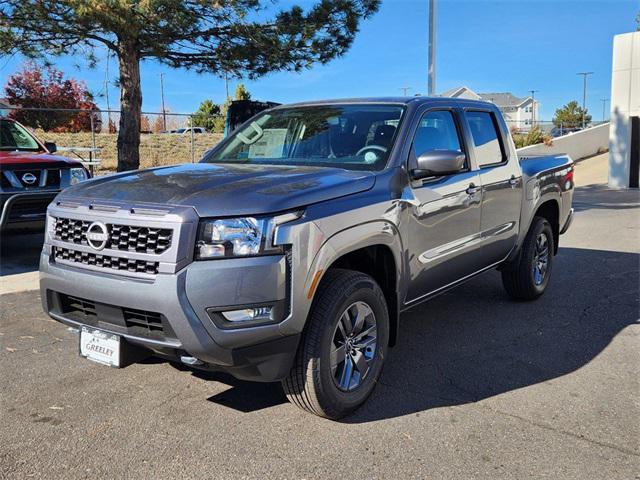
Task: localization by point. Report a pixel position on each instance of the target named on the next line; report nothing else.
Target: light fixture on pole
(584, 96)
(432, 47)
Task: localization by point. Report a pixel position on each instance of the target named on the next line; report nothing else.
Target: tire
(333, 389)
(527, 279)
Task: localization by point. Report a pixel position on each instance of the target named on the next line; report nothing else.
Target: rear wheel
(343, 348)
(528, 278)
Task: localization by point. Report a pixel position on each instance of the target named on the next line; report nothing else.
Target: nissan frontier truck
(290, 251)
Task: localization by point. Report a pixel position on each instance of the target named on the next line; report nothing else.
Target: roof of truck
(390, 100)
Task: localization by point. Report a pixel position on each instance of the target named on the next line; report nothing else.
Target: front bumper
(25, 210)
(182, 299)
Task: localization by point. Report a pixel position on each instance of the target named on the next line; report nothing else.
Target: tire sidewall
(366, 290)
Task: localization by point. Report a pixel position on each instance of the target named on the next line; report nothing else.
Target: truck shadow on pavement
(20, 252)
(474, 342)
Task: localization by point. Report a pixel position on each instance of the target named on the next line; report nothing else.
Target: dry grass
(156, 149)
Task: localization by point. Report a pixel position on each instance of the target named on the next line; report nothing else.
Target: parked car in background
(188, 130)
(290, 251)
(559, 132)
(30, 177)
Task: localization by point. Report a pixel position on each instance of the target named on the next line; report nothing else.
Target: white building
(519, 113)
(624, 133)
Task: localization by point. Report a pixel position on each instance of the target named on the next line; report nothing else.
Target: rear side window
(484, 131)
(437, 131)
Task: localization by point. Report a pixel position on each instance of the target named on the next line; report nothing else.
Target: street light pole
(604, 105)
(533, 107)
(404, 90)
(433, 11)
(164, 112)
(106, 92)
(584, 96)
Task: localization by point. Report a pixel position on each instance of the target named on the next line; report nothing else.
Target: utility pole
(533, 107)
(433, 12)
(404, 90)
(226, 86)
(584, 95)
(106, 92)
(604, 106)
(164, 112)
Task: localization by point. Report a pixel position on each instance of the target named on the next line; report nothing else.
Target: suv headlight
(240, 237)
(77, 175)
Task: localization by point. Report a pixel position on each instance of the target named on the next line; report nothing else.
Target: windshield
(14, 137)
(355, 137)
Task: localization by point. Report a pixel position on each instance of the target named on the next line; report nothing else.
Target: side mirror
(439, 162)
(51, 146)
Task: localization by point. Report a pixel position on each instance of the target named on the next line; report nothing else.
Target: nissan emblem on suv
(97, 235)
(29, 178)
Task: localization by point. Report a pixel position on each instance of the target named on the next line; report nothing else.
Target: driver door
(444, 224)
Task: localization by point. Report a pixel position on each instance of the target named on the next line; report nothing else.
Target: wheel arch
(374, 249)
(550, 210)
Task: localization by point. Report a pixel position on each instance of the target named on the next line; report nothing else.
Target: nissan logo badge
(97, 235)
(29, 178)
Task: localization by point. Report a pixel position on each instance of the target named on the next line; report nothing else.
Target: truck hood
(35, 160)
(225, 189)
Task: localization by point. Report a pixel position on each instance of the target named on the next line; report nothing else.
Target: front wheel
(343, 348)
(528, 278)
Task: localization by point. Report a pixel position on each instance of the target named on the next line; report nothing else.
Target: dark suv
(30, 177)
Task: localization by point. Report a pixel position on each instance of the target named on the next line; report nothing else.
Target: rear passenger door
(501, 181)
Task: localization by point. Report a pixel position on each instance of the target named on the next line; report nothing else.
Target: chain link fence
(168, 138)
(547, 127)
(165, 138)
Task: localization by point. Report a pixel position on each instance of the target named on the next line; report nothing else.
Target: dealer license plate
(99, 346)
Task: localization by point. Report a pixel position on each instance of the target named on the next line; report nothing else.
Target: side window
(488, 148)
(437, 131)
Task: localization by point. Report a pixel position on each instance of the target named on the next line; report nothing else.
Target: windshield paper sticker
(271, 145)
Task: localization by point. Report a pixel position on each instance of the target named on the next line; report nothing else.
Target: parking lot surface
(479, 386)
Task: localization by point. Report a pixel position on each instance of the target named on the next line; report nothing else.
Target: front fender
(378, 232)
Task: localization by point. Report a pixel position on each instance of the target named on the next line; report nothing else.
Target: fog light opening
(248, 314)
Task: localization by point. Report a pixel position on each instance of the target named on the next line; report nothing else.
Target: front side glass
(14, 137)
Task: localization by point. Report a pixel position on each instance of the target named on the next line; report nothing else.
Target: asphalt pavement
(479, 386)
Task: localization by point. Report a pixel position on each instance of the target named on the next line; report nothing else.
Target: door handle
(472, 189)
(513, 181)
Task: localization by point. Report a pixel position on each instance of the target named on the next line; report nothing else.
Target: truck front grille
(105, 261)
(35, 174)
(142, 323)
(144, 319)
(80, 306)
(121, 237)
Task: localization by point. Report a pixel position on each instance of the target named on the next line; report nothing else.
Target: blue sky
(508, 45)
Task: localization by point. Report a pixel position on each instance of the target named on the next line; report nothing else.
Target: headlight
(77, 175)
(240, 237)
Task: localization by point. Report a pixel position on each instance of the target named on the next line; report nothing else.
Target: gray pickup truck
(289, 252)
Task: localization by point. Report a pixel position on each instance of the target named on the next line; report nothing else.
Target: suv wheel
(528, 278)
(343, 348)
